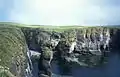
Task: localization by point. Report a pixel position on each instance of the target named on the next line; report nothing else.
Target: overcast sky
(61, 12)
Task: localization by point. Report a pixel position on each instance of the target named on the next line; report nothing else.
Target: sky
(61, 12)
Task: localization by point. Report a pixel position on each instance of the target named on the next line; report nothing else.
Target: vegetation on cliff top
(53, 28)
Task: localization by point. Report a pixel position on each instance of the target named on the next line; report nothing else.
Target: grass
(12, 47)
(51, 27)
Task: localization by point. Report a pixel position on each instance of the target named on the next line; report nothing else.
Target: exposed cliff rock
(43, 42)
(85, 47)
(44, 62)
(115, 36)
(92, 44)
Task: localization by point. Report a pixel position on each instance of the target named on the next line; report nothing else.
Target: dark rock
(44, 62)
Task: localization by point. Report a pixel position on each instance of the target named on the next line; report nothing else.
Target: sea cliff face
(87, 47)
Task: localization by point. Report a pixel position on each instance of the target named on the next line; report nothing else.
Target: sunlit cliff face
(69, 39)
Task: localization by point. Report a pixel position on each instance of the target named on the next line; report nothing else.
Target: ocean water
(110, 69)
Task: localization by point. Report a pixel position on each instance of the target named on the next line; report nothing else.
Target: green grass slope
(12, 52)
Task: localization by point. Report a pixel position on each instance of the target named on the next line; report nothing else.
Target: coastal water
(110, 69)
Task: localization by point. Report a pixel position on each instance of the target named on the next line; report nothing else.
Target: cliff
(69, 46)
(85, 46)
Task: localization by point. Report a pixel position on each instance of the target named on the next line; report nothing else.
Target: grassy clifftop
(54, 28)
